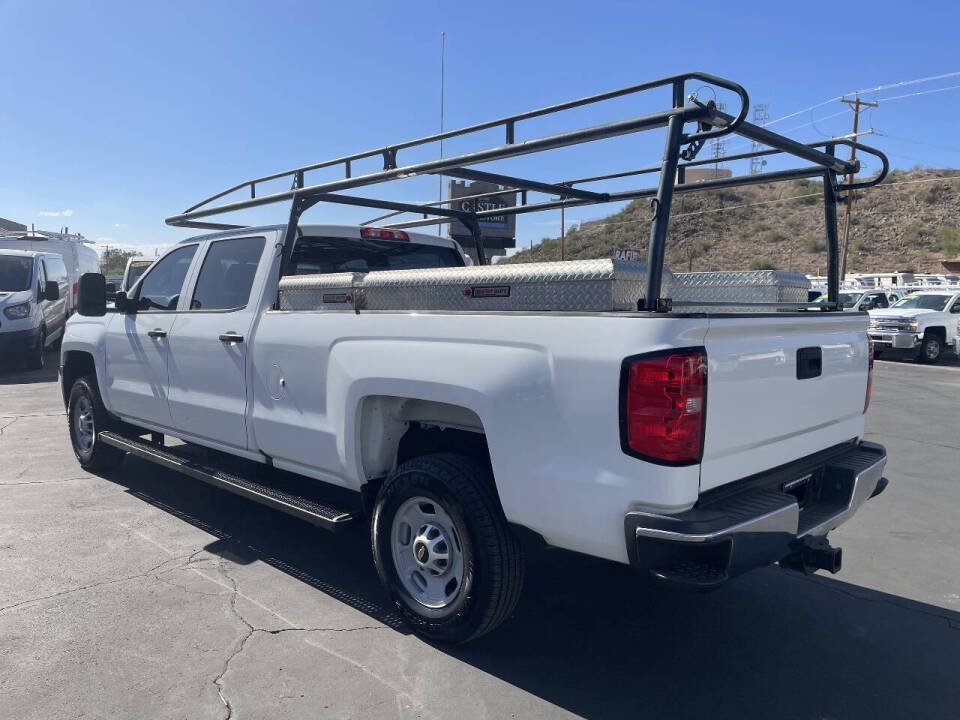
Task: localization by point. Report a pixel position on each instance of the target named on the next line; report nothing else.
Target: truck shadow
(591, 638)
(13, 373)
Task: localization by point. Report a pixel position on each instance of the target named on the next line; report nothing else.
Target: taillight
(663, 406)
(76, 288)
(866, 402)
(383, 234)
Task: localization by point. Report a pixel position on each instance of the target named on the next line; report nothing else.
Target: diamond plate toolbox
(745, 286)
(578, 285)
(330, 291)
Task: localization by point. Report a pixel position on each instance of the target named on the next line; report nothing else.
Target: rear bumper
(897, 340)
(757, 521)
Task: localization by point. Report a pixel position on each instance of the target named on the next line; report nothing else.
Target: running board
(320, 515)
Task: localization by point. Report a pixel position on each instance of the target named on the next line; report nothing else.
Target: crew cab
(34, 292)
(607, 406)
(924, 322)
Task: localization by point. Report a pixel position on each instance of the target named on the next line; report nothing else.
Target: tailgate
(761, 412)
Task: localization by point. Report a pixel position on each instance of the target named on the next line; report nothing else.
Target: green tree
(113, 261)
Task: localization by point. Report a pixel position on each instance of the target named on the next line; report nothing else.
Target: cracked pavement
(142, 594)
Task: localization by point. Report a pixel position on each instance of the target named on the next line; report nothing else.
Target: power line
(922, 92)
(878, 88)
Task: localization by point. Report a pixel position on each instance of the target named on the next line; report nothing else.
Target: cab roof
(22, 253)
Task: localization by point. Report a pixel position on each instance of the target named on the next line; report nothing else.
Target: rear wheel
(930, 349)
(37, 360)
(443, 548)
(87, 417)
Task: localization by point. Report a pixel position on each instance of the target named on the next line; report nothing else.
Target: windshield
(847, 299)
(924, 302)
(15, 273)
(134, 272)
(334, 254)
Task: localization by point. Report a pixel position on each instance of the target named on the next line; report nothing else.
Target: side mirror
(123, 303)
(51, 291)
(92, 295)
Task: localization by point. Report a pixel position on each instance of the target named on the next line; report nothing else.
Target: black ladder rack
(680, 152)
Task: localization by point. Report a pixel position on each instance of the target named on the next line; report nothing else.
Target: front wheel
(87, 417)
(930, 349)
(443, 548)
(37, 360)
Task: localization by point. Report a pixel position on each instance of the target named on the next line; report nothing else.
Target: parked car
(859, 300)
(78, 258)
(923, 322)
(33, 304)
(131, 273)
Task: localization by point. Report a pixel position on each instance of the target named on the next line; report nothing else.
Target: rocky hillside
(909, 222)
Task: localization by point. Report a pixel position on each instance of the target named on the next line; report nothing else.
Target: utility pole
(856, 104)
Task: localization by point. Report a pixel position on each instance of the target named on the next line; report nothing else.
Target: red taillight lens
(664, 406)
(866, 402)
(76, 287)
(383, 234)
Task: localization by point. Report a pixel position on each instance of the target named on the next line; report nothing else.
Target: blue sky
(122, 113)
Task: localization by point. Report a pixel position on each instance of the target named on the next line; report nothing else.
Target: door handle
(231, 337)
(157, 333)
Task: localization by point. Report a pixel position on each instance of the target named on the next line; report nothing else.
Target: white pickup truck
(470, 410)
(924, 322)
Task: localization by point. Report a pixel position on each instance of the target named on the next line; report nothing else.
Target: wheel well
(76, 364)
(940, 332)
(393, 430)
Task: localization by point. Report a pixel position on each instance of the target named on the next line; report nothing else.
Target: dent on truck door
(208, 344)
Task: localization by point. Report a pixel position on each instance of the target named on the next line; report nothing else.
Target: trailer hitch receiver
(812, 554)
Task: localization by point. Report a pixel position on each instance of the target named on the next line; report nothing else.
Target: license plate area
(806, 488)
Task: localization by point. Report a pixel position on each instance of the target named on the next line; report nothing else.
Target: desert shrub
(913, 233)
(814, 244)
(761, 262)
(948, 240)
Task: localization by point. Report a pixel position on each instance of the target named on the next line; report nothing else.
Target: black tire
(95, 456)
(492, 557)
(37, 359)
(930, 349)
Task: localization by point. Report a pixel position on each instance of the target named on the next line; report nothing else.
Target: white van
(34, 288)
(78, 257)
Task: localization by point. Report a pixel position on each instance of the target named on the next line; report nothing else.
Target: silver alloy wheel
(933, 349)
(83, 426)
(427, 553)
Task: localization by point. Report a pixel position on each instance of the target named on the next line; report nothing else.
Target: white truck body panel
(314, 391)
(758, 414)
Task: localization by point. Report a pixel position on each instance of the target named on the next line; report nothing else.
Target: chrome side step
(318, 514)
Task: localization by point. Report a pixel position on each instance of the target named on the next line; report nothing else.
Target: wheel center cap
(430, 549)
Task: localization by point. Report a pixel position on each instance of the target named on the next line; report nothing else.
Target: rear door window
(226, 278)
(335, 254)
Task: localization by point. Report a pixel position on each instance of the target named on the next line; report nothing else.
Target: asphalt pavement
(144, 594)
